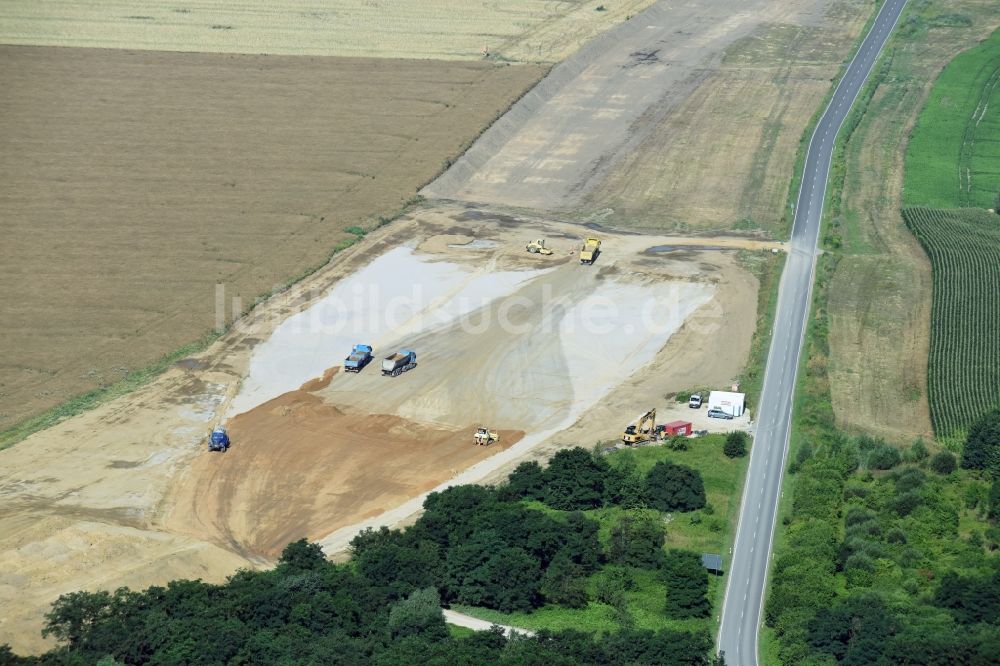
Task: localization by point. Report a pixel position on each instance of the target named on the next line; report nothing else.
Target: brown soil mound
(300, 467)
(320, 382)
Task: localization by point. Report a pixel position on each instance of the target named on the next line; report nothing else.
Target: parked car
(717, 413)
(694, 402)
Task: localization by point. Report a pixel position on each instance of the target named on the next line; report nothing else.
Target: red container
(677, 428)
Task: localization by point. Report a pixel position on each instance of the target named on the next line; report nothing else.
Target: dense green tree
(582, 544)
(970, 599)
(451, 516)
(420, 613)
(637, 540)
(624, 486)
(527, 481)
(687, 585)
(565, 583)
(401, 566)
(574, 480)
(993, 500)
(982, 445)
(302, 556)
(671, 487)
(943, 462)
(736, 444)
(854, 631)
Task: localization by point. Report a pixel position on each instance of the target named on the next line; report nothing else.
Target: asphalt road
(748, 563)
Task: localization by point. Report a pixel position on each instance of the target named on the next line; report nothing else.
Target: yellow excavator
(643, 429)
(538, 247)
(485, 436)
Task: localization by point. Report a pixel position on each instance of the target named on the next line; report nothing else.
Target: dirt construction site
(546, 351)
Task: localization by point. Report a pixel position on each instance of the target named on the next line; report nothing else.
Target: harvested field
(133, 183)
(724, 157)
(523, 30)
(686, 117)
(345, 451)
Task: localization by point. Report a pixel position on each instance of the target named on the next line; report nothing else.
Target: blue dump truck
(398, 363)
(361, 355)
(218, 440)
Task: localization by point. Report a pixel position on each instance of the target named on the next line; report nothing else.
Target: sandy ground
(128, 494)
(133, 184)
(603, 113)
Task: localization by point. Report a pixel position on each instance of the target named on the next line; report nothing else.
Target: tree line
(526, 543)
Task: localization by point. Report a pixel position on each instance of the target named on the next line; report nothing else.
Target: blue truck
(398, 363)
(361, 355)
(218, 440)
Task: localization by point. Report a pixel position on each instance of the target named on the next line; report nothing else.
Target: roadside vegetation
(953, 157)
(963, 368)
(661, 492)
(887, 554)
(887, 551)
(604, 550)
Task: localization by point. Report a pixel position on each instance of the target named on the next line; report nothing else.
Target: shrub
(613, 584)
(637, 540)
(943, 462)
(736, 444)
(917, 452)
(883, 457)
(906, 503)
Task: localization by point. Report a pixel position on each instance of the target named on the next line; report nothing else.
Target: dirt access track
(550, 352)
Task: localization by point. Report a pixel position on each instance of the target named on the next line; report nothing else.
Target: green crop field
(963, 374)
(953, 158)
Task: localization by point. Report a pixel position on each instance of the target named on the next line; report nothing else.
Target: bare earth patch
(133, 183)
(131, 485)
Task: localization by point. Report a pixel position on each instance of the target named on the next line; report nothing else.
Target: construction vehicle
(361, 355)
(398, 363)
(643, 429)
(590, 251)
(218, 440)
(485, 436)
(538, 247)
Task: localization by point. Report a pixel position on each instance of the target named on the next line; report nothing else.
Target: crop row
(963, 373)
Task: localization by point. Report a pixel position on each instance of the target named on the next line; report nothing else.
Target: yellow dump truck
(591, 248)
